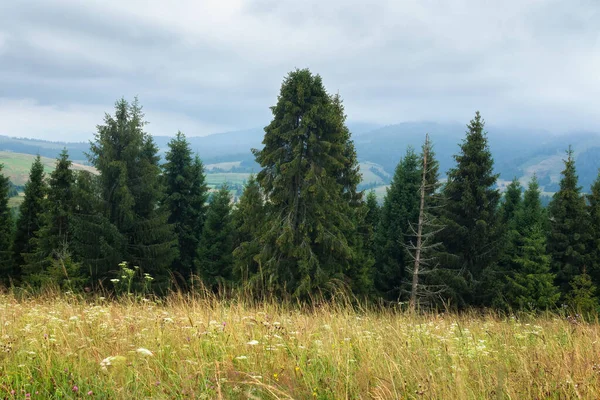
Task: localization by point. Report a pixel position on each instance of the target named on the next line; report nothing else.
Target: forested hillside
(444, 235)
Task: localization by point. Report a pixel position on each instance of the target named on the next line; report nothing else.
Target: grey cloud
(218, 65)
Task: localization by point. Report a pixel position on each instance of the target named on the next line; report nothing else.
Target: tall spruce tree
(569, 229)
(471, 218)
(215, 254)
(594, 215)
(30, 215)
(132, 191)
(305, 178)
(249, 224)
(52, 242)
(186, 195)
(400, 209)
(6, 225)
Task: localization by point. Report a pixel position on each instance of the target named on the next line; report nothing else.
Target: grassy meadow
(66, 346)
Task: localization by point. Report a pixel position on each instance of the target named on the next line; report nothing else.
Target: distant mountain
(517, 152)
(44, 148)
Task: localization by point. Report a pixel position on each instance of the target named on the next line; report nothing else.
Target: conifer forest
(302, 231)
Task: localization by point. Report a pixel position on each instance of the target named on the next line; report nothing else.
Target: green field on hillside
(17, 166)
(232, 178)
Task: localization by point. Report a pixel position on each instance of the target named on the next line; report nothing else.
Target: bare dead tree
(422, 248)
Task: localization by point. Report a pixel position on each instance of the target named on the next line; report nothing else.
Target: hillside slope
(17, 166)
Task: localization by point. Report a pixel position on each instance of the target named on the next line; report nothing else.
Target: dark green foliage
(400, 209)
(471, 233)
(131, 191)
(358, 274)
(249, 223)
(531, 284)
(215, 258)
(30, 217)
(372, 217)
(594, 215)
(97, 243)
(307, 177)
(51, 244)
(582, 297)
(186, 195)
(6, 224)
(569, 229)
(511, 204)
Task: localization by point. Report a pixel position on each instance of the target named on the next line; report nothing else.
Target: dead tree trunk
(419, 244)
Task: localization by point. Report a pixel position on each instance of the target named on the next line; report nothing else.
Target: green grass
(62, 346)
(17, 166)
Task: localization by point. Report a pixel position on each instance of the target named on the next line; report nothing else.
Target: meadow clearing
(67, 346)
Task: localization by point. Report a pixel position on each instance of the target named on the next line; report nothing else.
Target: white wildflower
(144, 352)
(252, 343)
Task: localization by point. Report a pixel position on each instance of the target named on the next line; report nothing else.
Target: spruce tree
(215, 254)
(249, 224)
(470, 217)
(569, 229)
(306, 178)
(30, 216)
(97, 243)
(6, 256)
(372, 221)
(532, 284)
(594, 215)
(132, 190)
(582, 297)
(511, 204)
(400, 209)
(51, 244)
(186, 195)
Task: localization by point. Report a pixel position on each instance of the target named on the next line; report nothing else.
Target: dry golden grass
(60, 346)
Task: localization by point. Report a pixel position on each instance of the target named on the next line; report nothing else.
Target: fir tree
(372, 221)
(531, 285)
(97, 243)
(569, 229)
(132, 191)
(30, 216)
(511, 204)
(470, 216)
(186, 195)
(582, 297)
(6, 224)
(594, 215)
(215, 258)
(306, 178)
(52, 242)
(400, 209)
(249, 223)
(511, 239)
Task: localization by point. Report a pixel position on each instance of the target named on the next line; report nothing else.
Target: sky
(205, 66)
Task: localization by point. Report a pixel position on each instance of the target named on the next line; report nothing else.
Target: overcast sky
(211, 66)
